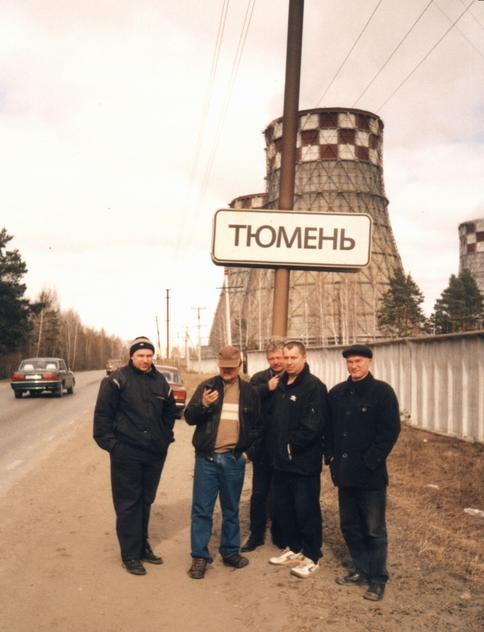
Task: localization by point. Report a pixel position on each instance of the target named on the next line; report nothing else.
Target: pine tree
(460, 306)
(15, 310)
(400, 313)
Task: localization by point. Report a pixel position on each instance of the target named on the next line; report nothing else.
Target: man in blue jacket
(133, 420)
(365, 426)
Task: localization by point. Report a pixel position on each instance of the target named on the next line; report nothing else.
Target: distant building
(471, 237)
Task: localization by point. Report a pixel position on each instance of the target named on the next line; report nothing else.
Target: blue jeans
(362, 519)
(220, 475)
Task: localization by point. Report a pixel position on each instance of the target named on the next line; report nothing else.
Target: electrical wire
(228, 97)
(348, 54)
(393, 52)
(203, 121)
(415, 68)
(464, 35)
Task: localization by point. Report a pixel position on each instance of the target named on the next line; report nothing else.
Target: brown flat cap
(229, 357)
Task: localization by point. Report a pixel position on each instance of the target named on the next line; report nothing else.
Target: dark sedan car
(174, 379)
(36, 375)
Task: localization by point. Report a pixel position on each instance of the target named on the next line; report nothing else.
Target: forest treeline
(41, 327)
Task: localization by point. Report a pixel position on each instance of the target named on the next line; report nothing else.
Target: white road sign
(291, 239)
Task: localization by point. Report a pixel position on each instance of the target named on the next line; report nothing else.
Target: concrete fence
(439, 380)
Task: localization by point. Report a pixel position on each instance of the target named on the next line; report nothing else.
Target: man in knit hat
(226, 413)
(133, 420)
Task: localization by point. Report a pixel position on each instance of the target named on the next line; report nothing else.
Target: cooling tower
(339, 168)
(471, 237)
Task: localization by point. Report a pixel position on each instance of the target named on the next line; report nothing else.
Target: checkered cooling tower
(339, 168)
(471, 237)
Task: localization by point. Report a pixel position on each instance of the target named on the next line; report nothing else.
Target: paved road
(30, 427)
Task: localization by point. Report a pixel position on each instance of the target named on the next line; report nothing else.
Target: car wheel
(18, 394)
(60, 390)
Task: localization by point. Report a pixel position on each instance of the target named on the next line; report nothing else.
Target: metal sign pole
(288, 154)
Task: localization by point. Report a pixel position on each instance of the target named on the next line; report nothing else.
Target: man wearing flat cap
(225, 411)
(365, 423)
(133, 420)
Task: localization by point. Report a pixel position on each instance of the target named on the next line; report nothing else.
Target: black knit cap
(357, 350)
(141, 342)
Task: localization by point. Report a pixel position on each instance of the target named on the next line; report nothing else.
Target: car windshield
(38, 364)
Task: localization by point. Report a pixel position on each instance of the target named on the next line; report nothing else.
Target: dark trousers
(260, 501)
(134, 483)
(362, 520)
(298, 512)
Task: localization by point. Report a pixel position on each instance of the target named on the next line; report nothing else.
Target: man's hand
(273, 382)
(209, 397)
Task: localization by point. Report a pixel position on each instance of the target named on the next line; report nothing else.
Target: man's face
(229, 373)
(142, 359)
(358, 367)
(276, 360)
(294, 360)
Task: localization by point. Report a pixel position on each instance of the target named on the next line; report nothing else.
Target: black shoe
(135, 567)
(251, 544)
(375, 592)
(198, 568)
(236, 561)
(352, 579)
(149, 556)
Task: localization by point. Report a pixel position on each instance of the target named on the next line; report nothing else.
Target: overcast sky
(118, 141)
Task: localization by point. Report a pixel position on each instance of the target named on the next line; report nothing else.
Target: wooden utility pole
(288, 154)
(167, 324)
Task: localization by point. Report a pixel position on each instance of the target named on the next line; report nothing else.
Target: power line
(206, 108)
(469, 41)
(348, 54)
(228, 97)
(425, 57)
(394, 51)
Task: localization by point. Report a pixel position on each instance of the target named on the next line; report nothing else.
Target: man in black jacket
(365, 426)
(299, 414)
(265, 383)
(133, 420)
(226, 413)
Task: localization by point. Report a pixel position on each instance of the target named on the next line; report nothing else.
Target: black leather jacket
(135, 408)
(207, 420)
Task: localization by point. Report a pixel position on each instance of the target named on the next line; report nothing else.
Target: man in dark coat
(265, 382)
(133, 420)
(299, 415)
(225, 411)
(365, 426)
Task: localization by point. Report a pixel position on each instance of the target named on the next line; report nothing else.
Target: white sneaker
(287, 557)
(305, 568)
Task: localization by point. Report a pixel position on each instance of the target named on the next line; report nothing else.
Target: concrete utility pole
(158, 335)
(288, 154)
(199, 309)
(167, 324)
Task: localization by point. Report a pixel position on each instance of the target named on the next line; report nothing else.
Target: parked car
(36, 375)
(174, 379)
(112, 364)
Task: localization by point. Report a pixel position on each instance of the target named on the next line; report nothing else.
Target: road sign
(291, 239)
